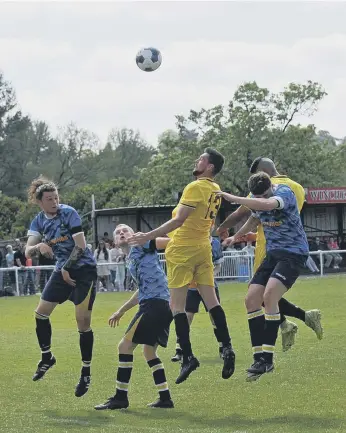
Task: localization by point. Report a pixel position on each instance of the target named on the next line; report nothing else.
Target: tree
(255, 123)
(72, 157)
(123, 154)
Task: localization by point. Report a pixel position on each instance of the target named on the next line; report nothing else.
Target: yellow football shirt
(201, 196)
(299, 192)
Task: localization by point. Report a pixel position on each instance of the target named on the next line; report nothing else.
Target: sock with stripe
(271, 328)
(44, 335)
(256, 326)
(86, 342)
(289, 309)
(177, 347)
(159, 378)
(182, 328)
(123, 376)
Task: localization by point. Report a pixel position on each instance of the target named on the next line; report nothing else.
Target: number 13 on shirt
(214, 203)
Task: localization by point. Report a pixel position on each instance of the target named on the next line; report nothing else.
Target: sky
(75, 61)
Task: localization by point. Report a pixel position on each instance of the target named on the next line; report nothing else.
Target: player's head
(260, 185)
(263, 164)
(121, 234)
(44, 192)
(209, 164)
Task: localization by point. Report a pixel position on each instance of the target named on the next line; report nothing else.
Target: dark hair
(254, 165)
(215, 158)
(259, 183)
(104, 249)
(38, 187)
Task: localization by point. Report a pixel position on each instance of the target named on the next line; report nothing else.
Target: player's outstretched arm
(257, 204)
(115, 317)
(182, 213)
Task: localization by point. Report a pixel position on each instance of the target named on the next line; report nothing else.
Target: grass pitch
(306, 393)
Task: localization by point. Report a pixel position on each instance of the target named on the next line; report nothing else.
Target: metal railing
(236, 266)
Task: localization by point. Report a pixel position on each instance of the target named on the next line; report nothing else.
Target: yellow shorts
(189, 264)
(260, 253)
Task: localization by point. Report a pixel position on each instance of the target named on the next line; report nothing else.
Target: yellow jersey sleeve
(299, 192)
(191, 195)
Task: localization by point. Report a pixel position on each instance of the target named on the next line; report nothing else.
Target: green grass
(306, 393)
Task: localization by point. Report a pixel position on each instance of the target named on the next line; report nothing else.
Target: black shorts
(151, 323)
(282, 265)
(56, 290)
(193, 299)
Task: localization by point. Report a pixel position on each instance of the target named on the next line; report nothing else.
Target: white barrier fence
(237, 266)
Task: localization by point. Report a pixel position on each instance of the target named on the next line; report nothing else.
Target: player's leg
(125, 349)
(193, 300)
(273, 292)
(180, 269)
(283, 276)
(312, 318)
(83, 296)
(44, 337)
(255, 315)
(55, 292)
(215, 329)
(178, 356)
(182, 329)
(204, 276)
(154, 362)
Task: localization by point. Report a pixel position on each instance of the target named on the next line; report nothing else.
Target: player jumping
(194, 299)
(57, 231)
(189, 258)
(311, 318)
(149, 326)
(275, 207)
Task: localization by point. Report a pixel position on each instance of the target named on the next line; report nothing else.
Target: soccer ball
(148, 59)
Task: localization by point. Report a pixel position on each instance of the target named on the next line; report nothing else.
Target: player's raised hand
(114, 320)
(228, 241)
(226, 196)
(138, 239)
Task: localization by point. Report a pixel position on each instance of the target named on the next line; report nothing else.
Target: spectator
(102, 256)
(106, 238)
(20, 262)
(11, 276)
(321, 246)
(249, 249)
(342, 246)
(119, 258)
(333, 245)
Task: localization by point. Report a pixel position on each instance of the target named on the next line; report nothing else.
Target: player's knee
(41, 316)
(270, 299)
(252, 302)
(149, 352)
(125, 346)
(83, 323)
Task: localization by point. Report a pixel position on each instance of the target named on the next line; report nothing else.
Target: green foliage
(126, 171)
(9, 209)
